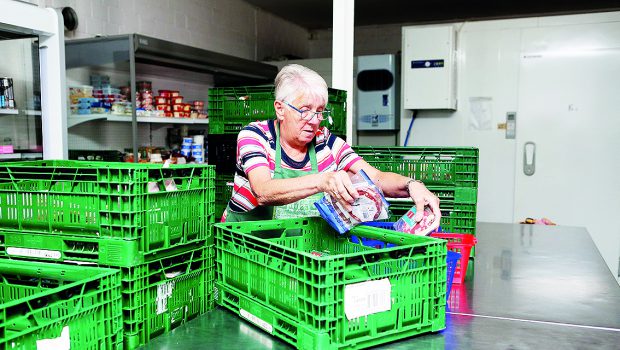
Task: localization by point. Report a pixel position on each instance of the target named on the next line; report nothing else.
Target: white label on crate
(164, 291)
(366, 298)
(257, 321)
(61, 343)
(34, 253)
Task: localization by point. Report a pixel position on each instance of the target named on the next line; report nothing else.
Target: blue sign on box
(427, 64)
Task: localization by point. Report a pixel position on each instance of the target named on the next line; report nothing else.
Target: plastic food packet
(424, 227)
(369, 206)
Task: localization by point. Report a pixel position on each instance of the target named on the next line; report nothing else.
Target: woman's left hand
(421, 196)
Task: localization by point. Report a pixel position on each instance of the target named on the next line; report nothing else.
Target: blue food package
(371, 205)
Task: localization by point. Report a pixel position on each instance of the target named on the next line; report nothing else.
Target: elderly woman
(285, 165)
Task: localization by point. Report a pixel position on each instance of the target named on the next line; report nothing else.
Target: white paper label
(257, 321)
(164, 291)
(61, 343)
(366, 298)
(34, 253)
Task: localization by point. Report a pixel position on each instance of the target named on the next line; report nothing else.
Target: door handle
(529, 158)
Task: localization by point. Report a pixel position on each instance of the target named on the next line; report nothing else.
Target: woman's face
(293, 127)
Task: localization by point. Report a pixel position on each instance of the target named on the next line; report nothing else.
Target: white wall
(232, 27)
(489, 59)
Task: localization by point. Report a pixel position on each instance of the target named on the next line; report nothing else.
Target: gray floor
(529, 287)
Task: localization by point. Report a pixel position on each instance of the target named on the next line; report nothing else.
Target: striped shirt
(256, 147)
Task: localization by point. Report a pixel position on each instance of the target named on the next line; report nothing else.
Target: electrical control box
(429, 67)
(377, 85)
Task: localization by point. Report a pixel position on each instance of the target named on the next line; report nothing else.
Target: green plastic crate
(435, 166)
(118, 210)
(165, 293)
(43, 305)
(223, 192)
(455, 217)
(60, 248)
(232, 108)
(269, 274)
(448, 195)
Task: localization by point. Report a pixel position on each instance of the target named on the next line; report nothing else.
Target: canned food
(176, 100)
(187, 107)
(177, 114)
(177, 108)
(119, 108)
(161, 100)
(164, 93)
(174, 93)
(168, 114)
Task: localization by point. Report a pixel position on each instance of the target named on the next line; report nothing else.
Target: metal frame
(47, 24)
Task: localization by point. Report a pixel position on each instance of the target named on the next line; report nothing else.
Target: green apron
(301, 208)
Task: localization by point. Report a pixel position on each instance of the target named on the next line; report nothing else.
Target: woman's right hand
(339, 186)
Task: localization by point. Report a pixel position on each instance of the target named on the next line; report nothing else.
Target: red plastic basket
(460, 243)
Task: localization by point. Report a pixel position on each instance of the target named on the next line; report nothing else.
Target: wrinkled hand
(421, 196)
(339, 186)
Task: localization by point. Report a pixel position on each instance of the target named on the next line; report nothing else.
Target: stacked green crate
(53, 306)
(166, 292)
(223, 192)
(232, 108)
(303, 282)
(141, 218)
(449, 172)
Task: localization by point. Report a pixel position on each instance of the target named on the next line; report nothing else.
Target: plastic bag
(424, 227)
(369, 206)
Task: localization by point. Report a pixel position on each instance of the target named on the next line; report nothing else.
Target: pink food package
(424, 227)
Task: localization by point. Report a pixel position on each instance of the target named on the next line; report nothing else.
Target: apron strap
(311, 152)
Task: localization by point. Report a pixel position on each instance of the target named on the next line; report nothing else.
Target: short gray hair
(295, 80)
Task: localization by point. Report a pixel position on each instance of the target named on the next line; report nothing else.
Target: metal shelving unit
(134, 51)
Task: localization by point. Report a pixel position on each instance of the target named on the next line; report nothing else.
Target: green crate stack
(166, 292)
(154, 224)
(108, 213)
(449, 172)
(46, 305)
(435, 166)
(290, 278)
(232, 108)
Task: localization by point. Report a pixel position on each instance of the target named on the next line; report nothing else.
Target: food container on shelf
(161, 100)
(144, 85)
(177, 108)
(175, 100)
(164, 93)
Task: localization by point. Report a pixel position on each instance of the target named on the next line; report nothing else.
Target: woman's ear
(279, 107)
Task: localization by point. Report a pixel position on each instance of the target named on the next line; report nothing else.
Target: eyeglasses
(309, 114)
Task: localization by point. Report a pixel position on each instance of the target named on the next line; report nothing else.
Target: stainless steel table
(529, 287)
